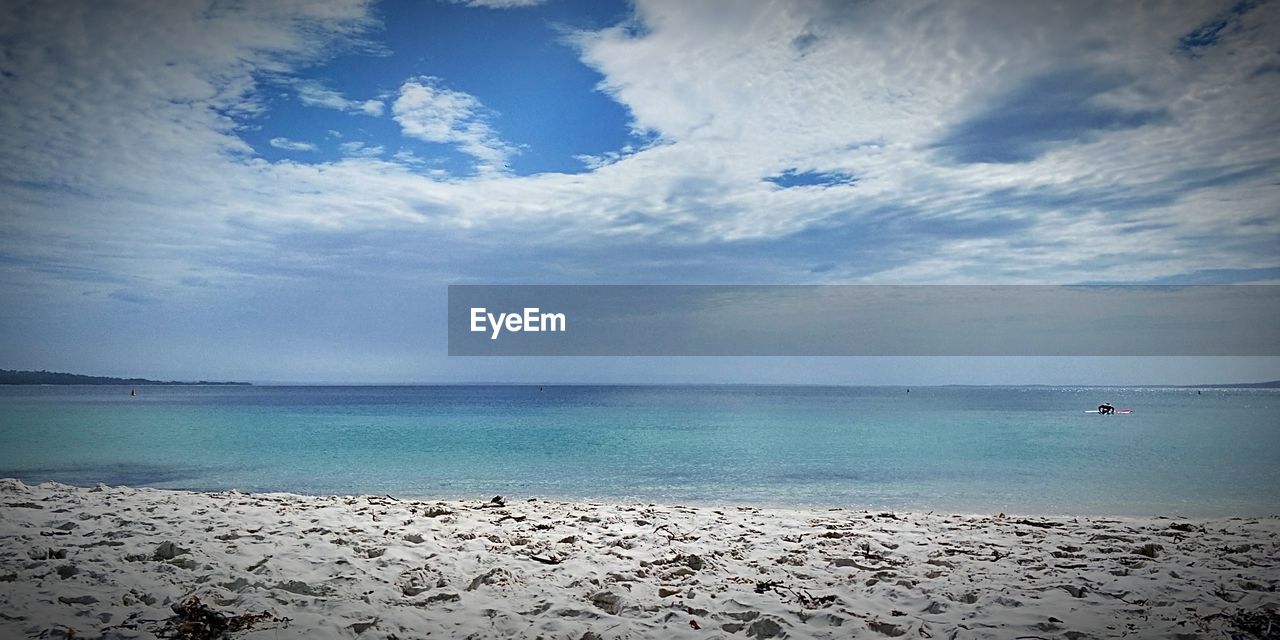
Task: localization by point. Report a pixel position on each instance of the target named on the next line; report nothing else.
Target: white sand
(109, 562)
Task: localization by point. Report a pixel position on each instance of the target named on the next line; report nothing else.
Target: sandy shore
(114, 562)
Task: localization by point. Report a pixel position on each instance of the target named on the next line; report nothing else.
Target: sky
(282, 191)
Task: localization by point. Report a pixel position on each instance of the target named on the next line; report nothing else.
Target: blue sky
(516, 66)
(283, 190)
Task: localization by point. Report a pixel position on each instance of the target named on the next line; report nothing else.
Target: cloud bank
(806, 142)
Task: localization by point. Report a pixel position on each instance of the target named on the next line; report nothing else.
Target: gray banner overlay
(863, 320)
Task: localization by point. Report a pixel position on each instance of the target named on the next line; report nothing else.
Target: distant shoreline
(53, 378)
(1274, 384)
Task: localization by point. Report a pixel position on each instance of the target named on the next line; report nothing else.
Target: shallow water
(971, 449)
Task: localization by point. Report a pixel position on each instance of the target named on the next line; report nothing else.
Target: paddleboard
(1117, 411)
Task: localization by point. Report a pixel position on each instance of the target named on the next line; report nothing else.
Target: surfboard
(1117, 411)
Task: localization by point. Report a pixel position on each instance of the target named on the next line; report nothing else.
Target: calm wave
(977, 449)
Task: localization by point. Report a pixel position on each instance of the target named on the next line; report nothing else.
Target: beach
(119, 562)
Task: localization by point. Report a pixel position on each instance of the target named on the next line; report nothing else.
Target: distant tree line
(8, 376)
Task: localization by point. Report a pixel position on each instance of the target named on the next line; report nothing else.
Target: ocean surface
(960, 449)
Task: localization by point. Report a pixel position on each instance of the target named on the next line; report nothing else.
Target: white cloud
(430, 112)
(126, 119)
(314, 94)
(149, 181)
(743, 92)
(291, 145)
(359, 149)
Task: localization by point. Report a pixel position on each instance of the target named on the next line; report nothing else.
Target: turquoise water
(973, 449)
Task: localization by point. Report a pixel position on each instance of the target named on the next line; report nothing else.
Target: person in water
(1106, 408)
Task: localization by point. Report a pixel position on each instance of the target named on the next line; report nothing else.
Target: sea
(1023, 450)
